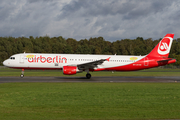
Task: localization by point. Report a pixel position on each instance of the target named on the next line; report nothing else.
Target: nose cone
(5, 63)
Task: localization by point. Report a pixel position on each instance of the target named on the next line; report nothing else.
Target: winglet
(108, 59)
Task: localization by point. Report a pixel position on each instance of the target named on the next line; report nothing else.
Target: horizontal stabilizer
(166, 61)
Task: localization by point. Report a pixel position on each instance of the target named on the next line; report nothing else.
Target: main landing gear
(22, 73)
(88, 75)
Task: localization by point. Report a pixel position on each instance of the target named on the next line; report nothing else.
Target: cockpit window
(12, 58)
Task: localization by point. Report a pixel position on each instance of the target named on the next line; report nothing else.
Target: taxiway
(93, 79)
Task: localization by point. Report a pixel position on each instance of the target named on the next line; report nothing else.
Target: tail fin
(162, 49)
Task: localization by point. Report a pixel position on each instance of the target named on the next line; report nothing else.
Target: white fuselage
(57, 61)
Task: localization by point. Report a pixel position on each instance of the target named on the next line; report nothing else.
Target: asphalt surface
(93, 79)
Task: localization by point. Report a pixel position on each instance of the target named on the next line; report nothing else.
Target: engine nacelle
(70, 70)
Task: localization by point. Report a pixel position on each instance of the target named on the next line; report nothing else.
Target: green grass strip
(86, 101)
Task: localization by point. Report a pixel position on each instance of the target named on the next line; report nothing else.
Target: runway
(93, 79)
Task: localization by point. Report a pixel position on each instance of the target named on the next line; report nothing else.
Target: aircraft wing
(91, 65)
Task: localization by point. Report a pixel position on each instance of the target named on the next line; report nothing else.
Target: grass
(79, 101)
(148, 72)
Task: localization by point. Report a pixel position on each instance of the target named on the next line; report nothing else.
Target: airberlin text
(56, 59)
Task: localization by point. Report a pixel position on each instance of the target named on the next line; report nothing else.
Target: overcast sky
(82, 19)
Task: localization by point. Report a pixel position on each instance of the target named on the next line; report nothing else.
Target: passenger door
(21, 60)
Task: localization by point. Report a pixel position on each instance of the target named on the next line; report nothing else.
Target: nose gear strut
(22, 73)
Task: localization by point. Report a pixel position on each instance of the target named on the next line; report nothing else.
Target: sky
(82, 19)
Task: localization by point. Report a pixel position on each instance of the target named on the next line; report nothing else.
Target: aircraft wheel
(21, 75)
(88, 75)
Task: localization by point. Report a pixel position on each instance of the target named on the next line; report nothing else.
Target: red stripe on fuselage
(139, 65)
(144, 63)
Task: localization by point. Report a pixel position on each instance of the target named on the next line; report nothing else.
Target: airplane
(71, 64)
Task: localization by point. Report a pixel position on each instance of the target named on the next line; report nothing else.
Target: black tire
(88, 76)
(21, 75)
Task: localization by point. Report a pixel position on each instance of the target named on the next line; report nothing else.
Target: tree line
(45, 44)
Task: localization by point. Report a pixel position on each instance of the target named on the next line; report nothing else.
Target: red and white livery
(71, 64)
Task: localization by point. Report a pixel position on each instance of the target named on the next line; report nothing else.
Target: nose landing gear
(22, 73)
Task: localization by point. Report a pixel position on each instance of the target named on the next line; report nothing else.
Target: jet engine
(70, 70)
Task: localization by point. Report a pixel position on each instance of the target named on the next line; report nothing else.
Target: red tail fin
(162, 49)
